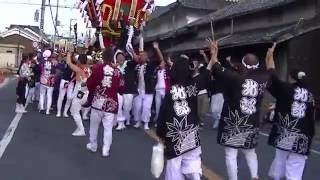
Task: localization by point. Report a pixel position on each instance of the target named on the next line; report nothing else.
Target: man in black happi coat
(239, 125)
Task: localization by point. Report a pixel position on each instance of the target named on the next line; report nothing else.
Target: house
(178, 14)
(251, 26)
(17, 41)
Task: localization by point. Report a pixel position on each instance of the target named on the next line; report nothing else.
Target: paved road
(7, 104)
(42, 148)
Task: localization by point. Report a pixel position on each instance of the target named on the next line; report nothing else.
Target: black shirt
(149, 75)
(130, 78)
(67, 73)
(178, 123)
(239, 125)
(37, 72)
(215, 86)
(293, 127)
(202, 80)
(35, 75)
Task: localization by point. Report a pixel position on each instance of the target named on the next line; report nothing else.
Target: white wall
(7, 60)
(9, 55)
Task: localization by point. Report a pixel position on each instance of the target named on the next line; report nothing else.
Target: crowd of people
(175, 94)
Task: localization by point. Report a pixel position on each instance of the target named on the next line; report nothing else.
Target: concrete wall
(9, 56)
(275, 17)
(303, 53)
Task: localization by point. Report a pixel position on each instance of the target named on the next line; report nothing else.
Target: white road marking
(9, 134)
(264, 134)
(312, 150)
(315, 151)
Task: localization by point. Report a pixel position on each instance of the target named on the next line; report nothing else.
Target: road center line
(208, 173)
(9, 134)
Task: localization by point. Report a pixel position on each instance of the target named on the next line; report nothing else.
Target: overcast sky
(24, 14)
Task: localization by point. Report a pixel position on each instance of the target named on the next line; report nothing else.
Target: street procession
(159, 89)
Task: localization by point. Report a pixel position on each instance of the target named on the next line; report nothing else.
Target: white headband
(116, 54)
(184, 56)
(250, 66)
(301, 75)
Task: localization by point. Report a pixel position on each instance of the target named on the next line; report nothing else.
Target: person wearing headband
(121, 63)
(130, 75)
(47, 80)
(80, 92)
(25, 73)
(162, 74)
(32, 80)
(293, 126)
(146, 88)
(105, 83)
(239, 125)
(65, 89)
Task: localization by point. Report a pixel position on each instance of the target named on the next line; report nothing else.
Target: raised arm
(74, 67)
(217, 70)
(277, 86)
(159, 53)
(270, 57)
(169, 61)
(213, 47)
(133, 54)
(205, 57)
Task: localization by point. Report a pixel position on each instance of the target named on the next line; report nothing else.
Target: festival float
(116, 22)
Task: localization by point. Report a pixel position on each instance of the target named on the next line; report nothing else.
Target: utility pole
(43, 8)
(56, 25)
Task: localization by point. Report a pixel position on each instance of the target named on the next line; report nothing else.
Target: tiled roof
(236, 9)
(211, 5)
(241, 8)
(257, 36)
(35, 29)
(204, 4)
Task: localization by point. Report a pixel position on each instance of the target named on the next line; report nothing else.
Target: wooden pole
(212, 31)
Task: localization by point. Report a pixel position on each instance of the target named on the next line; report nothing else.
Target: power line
(52, 18)
(37, 4)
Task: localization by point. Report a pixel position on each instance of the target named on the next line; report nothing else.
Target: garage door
(7, 59)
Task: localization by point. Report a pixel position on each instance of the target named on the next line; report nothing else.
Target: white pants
(37, 91)
(217, 101)
(187, 166)
(127, 105)
(62, 93)
(31, 95)
(76, 107)
(45, 92)
(142, 107)
(107, 121)
(160, 94)
(120, 115)
(287, 164)
(85, 112)
(26, 91)
(232, 162)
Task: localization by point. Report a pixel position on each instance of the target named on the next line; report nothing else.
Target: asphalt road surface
(42, 148)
